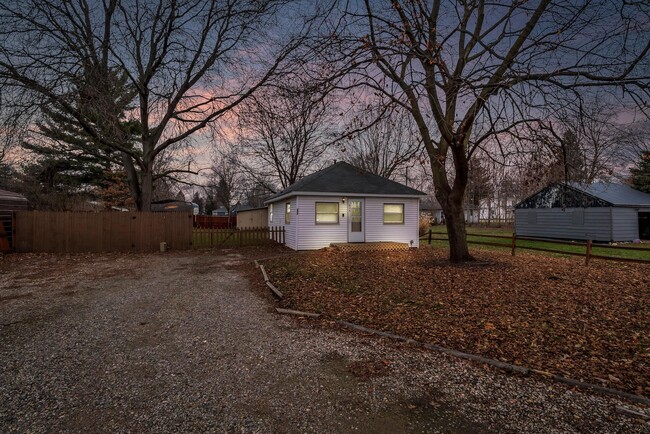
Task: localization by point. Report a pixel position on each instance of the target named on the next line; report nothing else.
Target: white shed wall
(625, 224)
(565, 223)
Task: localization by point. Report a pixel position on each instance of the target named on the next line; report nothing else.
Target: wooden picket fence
(207, 237)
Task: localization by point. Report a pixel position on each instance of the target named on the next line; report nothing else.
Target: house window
(327, 213)
(271, 213)
(287, 213)
(393, 213)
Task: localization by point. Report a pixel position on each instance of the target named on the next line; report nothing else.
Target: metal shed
(600, 212)
(9, 203)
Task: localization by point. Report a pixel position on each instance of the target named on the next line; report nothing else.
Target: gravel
(181, 342)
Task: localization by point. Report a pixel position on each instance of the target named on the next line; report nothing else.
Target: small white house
(344, 204)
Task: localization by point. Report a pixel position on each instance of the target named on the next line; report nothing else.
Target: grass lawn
(553, 314)
(631, 250)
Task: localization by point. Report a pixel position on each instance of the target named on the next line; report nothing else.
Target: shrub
(424, 225)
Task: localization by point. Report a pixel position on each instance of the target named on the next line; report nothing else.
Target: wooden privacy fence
(78, 232)
(238, 237)
(214, 222)
(587, 253)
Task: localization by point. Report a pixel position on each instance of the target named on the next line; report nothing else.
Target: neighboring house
(252, 218)
(10, 202)
(598, 212)
(431, 209)
(234, 210)
(344, 204)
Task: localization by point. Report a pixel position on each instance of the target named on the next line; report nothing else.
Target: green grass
(474, 234)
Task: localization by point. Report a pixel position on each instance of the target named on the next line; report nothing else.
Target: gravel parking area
(182, 341)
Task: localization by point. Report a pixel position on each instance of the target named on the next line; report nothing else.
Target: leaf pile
(553, 314)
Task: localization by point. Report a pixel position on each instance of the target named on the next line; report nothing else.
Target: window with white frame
(271, 213)
(287, 213)
(393, 213)
(327, 213)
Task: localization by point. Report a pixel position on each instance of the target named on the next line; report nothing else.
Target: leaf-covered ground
(554, 314)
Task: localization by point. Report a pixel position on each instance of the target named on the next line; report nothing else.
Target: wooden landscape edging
(508, 367)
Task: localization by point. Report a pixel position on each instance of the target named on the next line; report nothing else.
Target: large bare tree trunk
(132, 180)
(146, 182)
(451, 201)
(455, 222)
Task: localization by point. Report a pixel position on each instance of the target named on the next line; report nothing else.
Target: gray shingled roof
(342, 177)
(616, 194)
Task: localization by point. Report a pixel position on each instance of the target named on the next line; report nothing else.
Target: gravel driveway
(182, 342)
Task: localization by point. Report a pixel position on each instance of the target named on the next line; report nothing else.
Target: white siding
(278, 220)
(625, 224)
(570, 223)
(376, 230)
(313, 236)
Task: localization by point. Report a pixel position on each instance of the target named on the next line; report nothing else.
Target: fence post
(514, 243)
(429, 236)
(588, 253)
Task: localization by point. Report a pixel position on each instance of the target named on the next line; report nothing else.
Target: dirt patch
(366, 369)
(553, 314)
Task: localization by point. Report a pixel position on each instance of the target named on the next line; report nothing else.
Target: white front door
(356, 224)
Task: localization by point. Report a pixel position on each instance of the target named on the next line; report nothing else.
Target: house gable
(562, 196)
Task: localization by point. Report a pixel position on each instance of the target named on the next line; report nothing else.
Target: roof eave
(321, 193)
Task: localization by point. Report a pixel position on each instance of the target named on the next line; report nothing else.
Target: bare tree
(187, 64)
(386, 145)
(469, 72)
(586, 143)
(283, 132)
(14, 120)
(224, 187)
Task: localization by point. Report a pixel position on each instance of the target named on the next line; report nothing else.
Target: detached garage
(599, 212)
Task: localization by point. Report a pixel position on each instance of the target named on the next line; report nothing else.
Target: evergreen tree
(200, 201)
(641, 173)
(73, 161)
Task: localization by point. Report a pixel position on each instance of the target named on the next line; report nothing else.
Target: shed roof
(616, 194)
(575, 194)
(342, 177)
